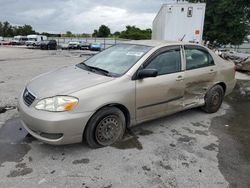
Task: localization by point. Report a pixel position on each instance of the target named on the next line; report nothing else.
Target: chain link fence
(105, 42)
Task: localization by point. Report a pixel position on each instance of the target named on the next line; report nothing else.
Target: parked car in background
(74, 45)
(34, 40)
(19, 40)
(1, 39)
(4, 42)
(95, 47)
(122, 86)
(65, 46)
(48, 45)
(84, 46)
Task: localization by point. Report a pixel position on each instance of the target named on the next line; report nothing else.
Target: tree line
(131, 32)
(7, 30)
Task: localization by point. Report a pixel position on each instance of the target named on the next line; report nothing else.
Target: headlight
(57, 104)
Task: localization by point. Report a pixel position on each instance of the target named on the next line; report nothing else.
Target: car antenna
(183, 37)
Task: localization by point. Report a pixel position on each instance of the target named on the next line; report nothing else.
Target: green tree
(226, 21)
(1, 29)
(7, 30)
(68, 34)
(103, 31)
(132, 32)
(117, 34)
(26, 30)
(95, 34)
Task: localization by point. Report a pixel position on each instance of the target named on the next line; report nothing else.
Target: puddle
(199, 132)
(143, 132)
(6, 108)
(186, 139)
(145, 168)
(165, 166)
(81, 161)
(211, 147)
(13, 141)
(129, 141)
(234, 139)
(199, 124)
(21, 170)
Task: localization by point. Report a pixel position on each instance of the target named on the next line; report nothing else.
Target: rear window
(197, 58)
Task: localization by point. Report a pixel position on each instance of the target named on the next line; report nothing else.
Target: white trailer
(180, 21)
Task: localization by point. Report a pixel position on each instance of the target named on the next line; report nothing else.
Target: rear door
(199, 75)
(163, 94)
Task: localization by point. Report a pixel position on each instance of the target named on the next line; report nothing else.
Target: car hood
(64, 81)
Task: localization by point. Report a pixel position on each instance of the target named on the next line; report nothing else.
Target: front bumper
(68, 125)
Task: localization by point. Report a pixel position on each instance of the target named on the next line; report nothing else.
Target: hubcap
(108, 130)
(216, 99)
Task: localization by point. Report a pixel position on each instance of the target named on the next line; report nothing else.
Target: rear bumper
(69, 126)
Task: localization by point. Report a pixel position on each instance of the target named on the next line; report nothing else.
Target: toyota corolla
(130, 83)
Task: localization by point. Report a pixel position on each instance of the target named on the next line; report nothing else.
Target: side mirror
(146, 73)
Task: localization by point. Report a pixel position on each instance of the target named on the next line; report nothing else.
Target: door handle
(179, 78)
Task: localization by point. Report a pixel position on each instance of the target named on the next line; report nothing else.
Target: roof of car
(155, 43)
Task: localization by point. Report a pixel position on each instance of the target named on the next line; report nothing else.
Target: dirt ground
(188, 149)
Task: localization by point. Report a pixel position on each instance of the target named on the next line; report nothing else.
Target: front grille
(28, 97)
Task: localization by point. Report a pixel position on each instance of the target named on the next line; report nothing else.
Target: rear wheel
(213, 99)
(105, 128)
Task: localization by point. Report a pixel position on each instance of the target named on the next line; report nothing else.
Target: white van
(19, 40)
(34, 40)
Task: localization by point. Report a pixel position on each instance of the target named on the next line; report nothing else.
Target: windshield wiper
(85, 66)
(91, 68)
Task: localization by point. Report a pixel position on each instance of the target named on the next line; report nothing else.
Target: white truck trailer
(180, 21)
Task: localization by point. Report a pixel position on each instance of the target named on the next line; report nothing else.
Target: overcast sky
(79, 16)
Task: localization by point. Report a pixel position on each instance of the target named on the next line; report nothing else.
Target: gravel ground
(188, 149)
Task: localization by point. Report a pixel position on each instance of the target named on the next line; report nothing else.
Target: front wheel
(213, 99)
(106, 127)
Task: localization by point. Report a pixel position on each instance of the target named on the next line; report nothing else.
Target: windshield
(32, 39)
(118, 59)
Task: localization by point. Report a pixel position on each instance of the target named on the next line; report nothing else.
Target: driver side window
(167, 62)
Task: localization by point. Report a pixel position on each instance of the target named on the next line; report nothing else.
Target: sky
(80, 16)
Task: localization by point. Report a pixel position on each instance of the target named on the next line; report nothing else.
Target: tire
(213, 99)
(105, 127)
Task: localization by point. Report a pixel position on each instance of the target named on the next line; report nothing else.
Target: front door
(161, 95)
